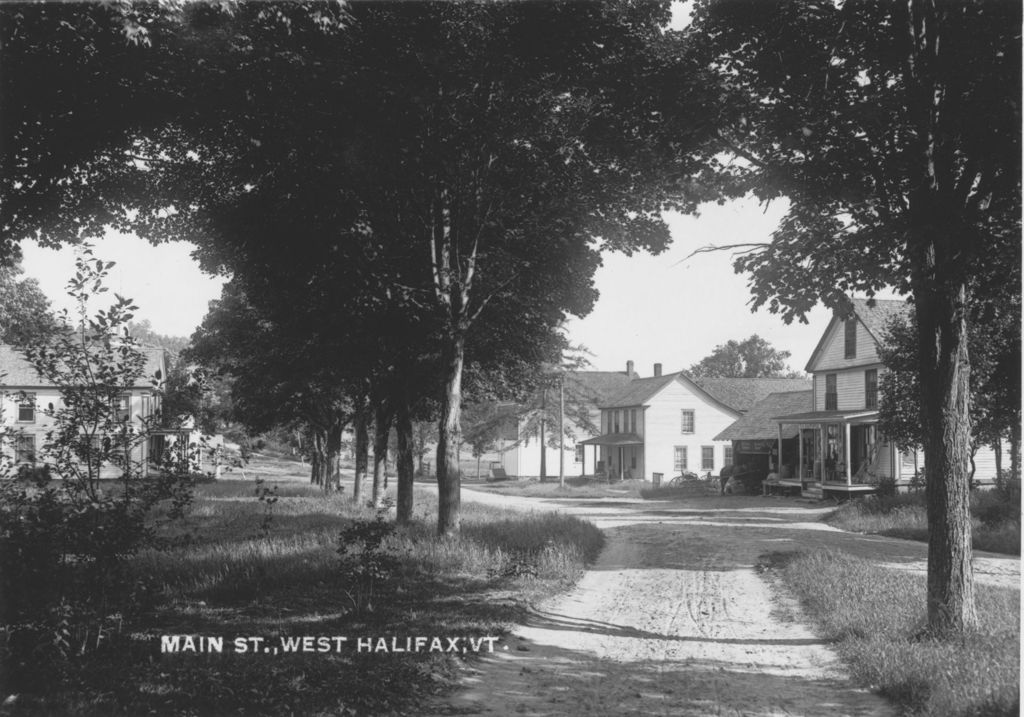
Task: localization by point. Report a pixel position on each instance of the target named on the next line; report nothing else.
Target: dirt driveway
(674, 619)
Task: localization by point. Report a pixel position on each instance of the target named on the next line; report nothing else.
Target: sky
(665, 309)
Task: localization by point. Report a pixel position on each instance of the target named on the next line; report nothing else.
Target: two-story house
(26, 398)
(664, 425)
(839, 449)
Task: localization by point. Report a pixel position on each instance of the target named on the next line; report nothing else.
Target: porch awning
(858, 416)
(614, 439)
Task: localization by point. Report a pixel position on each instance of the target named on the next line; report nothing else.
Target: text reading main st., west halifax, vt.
(249, 645)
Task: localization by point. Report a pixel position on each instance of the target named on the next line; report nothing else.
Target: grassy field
(995, 519)
(239, 567)
(876, 618)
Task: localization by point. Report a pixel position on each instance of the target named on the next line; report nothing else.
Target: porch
(617, 456)
(837, 453)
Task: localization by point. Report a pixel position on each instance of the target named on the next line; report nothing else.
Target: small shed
(755, 435)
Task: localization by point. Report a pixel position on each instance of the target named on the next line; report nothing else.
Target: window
(727, 455)
(687, 421)
(25, 449)
(27, 408)
(618, 417)
(579, 454)
(679, 458)
(123, 407)
(707, 458)
(632, 420)
(851, 338)
(831, 397)
(871, 388)
(632, 458)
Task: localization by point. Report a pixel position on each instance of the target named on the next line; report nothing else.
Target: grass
(995, 519)
(233, 571)
(876, 618)
(686, 489)
(575, 487)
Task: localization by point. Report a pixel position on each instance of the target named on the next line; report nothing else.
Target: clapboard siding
(850, 388)
(832, 354)
(663, 425)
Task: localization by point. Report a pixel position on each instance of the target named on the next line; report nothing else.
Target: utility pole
(561, 430)
(543, 438)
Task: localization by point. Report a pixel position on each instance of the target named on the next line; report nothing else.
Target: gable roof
(757, 424)
(735, 394)
(874, 314)
(15, 370)
(740, 394)
(639, 391)
(597, 386)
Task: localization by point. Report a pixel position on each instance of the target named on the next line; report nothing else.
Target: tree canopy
(894, 131)
(752, 357)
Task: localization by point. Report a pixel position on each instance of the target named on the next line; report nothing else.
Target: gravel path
(674, 618)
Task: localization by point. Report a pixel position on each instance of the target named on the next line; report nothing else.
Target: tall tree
(25, 311)
(894, 131)
(753, 357)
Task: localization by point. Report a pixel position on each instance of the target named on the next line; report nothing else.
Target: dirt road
(674, 618)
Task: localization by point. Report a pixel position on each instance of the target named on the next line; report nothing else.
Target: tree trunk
(406, 474)
(381, 429)
(316, 476)
(1015, 451)
(997, 449)
(362, 455)
(449, 487)
(945, 399)
(332, 450)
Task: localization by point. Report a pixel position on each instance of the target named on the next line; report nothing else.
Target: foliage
(994, 346)
(995, 517)
(864, 115)
(484, 149)
(482, 426)
(753, 357)
(367, 561)
(215, 565)
(24, 309)
(872, 616)
(63, 546)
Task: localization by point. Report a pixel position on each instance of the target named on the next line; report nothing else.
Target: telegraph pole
(561, 430)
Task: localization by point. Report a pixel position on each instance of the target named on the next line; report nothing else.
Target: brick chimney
(657, 369)
(629, 369)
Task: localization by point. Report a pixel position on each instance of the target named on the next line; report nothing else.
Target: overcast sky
(653, 309)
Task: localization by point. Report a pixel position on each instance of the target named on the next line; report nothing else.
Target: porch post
(778, 465)
(800, 452)
(822, 449)
(846, 452)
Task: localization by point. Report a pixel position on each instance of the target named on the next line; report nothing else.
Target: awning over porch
(614, 439)
(812, 417)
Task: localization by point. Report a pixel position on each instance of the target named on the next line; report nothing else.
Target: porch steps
(813, 491)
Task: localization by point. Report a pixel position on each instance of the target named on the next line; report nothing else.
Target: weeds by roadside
(875, 616)
(995, 518)
(230, 575)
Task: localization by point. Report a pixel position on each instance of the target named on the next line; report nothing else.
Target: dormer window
(851, 338)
